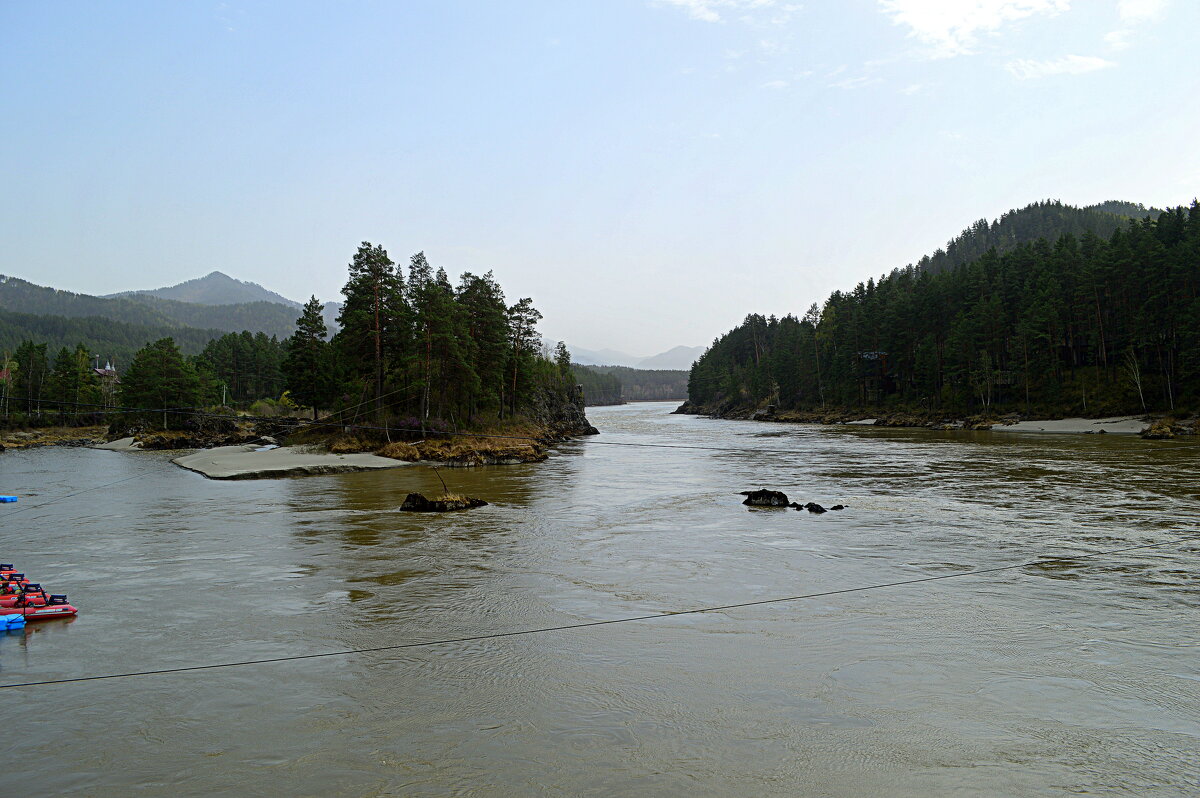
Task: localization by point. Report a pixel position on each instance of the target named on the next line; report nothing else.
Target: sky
(649, 171)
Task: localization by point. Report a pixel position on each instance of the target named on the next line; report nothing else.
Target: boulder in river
(813, 507)
(417, 503)
(1164, 429)
(765, 498)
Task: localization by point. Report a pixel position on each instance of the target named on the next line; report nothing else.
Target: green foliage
(72, 383)
(642, 385)
(241, 367)
(112, 340)
(598, 388)
(159, 377)
(1083, 324)
(309, 367)
(1049, 220)
(427, 350)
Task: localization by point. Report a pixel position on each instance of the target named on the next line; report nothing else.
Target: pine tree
(159, 378)
(525, 344)
(370, 316)
(308, 367)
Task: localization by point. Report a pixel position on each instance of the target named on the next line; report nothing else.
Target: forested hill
(598, 389)
(615, 385)
(1081, 324)
(24, 297)
(112, 340)
(644, 385)
(1049, 220)
(218, 288)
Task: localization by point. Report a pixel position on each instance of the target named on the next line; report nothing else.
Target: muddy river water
(1067, 676)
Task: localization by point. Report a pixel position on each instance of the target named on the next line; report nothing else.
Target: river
(1063, 677)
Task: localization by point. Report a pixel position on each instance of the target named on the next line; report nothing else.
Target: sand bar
(120, 445)
(1124, 425)
(248, 462)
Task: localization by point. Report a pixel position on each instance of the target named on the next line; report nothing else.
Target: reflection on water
(1061, 676)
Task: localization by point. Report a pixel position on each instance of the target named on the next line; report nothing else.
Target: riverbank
(259, 462)
(52, 436)
(246, 451)
(1148, 426)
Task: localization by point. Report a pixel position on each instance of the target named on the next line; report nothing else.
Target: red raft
(55, 607)
(32, 602)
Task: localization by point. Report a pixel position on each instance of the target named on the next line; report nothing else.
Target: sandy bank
(120, 445)
(1126, 425)
(247, 462)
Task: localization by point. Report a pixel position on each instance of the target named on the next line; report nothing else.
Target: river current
(1066, 676)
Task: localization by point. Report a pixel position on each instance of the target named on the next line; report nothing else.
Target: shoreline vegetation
(249, 453)
(1029, 316)
(418, 370)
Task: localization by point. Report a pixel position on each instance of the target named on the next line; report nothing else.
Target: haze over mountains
(215, 288)
(677, 358)
(218, 288)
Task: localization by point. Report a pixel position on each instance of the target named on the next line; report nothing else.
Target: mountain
(215, 288)
(681, 357)
(272, 318)
(1049, 219)
(219, 289)
(603, 357)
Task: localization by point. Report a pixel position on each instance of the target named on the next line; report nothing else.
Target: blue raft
(12, 622)
(4, 499)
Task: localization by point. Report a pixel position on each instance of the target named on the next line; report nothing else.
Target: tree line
(1048, 219)
(1079, 324)
(421, 348)
(412, 349)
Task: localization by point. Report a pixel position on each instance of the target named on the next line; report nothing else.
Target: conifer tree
(370, 316)
(160, 378)
(308, 367)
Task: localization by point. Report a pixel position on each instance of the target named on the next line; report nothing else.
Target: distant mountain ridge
(677, 358)
(272, 318)
(214, 288)
(217, 289)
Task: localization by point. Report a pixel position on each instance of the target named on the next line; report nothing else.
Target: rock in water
(765, 498)
(813, 507)
(838, 507)
(417, 503)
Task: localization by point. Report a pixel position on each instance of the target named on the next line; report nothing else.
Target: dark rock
(417, 503)
(561, 413)
(765, 498)
(1164, 429)
(838, 507)
(813, 507)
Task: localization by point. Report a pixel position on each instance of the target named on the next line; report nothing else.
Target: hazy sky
(649, 171)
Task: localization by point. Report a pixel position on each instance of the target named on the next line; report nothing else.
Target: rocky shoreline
(1147, 426)
(233, 448)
